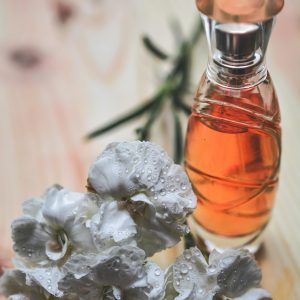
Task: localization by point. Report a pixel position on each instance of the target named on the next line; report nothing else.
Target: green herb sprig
(173, 89)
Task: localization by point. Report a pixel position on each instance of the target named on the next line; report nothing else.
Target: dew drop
(212, 268)
(162, 192)
(184, 269)
(200, 291)
(228, 260)
(157, 272)
(183, 186)
(187, 256)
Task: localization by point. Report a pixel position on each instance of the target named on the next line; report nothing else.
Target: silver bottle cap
(237, 41)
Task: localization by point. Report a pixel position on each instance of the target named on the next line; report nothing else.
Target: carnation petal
(237, 272)
(112, 226)
(13, 285)
(190, 277)
(30, 238)
(47, 278)
(151, 287)
(255, 294)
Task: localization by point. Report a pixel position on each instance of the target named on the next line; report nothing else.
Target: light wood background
(94, 68)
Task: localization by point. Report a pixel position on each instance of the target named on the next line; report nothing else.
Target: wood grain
(95, 70)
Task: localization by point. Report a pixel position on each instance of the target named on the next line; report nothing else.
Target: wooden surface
(93, 69)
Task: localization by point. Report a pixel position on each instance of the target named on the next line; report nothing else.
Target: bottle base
(208, 241)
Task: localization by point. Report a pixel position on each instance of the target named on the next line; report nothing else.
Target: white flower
(233, 274)
(119, 271)
(190, 277)
(156, 191)
(53, 224)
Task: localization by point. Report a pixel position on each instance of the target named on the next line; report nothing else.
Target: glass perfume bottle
(233, 142)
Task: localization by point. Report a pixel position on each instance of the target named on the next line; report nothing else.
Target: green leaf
(154, 49)
(189, 241)
(144, 132)
(124, 119)
(177, 30)
(184, 107)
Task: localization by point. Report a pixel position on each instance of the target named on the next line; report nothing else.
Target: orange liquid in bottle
(232, 158)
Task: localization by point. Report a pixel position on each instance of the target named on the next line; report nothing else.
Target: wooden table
(93, 69)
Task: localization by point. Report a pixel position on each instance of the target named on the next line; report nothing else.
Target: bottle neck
(237, 74)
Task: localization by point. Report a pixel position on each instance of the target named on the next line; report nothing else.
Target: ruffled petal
(123, 169)
(119, 266)
(255, 294)
(237, 272)
(116, 266)
(85, 288)
(61, 207)
(112, 226)
(30, 237)
(153, 233)
(33, 208)
(191, 279)
(47, 278)
(13, 285)
(19, 297)
(152, 290)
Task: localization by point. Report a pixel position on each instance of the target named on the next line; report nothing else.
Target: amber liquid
(232, 158)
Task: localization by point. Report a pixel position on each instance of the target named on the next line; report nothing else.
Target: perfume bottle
(233, 142)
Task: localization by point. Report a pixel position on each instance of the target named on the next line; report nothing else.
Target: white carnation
(233, 274)
(157, 192)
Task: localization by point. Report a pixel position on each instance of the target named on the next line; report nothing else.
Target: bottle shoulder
(258, 103)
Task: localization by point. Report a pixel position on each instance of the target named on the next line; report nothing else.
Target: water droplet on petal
(200, 291)
(212, 268)
(184, 269)
(157, 272)
(228, 260)
(162, 192)
(183, 186)
(187, 255)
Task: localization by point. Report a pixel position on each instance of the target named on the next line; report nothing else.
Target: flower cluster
(94, 245)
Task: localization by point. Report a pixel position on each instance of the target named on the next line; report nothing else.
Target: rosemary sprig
(173, 89)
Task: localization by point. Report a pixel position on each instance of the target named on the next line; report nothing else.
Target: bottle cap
(237, 41)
